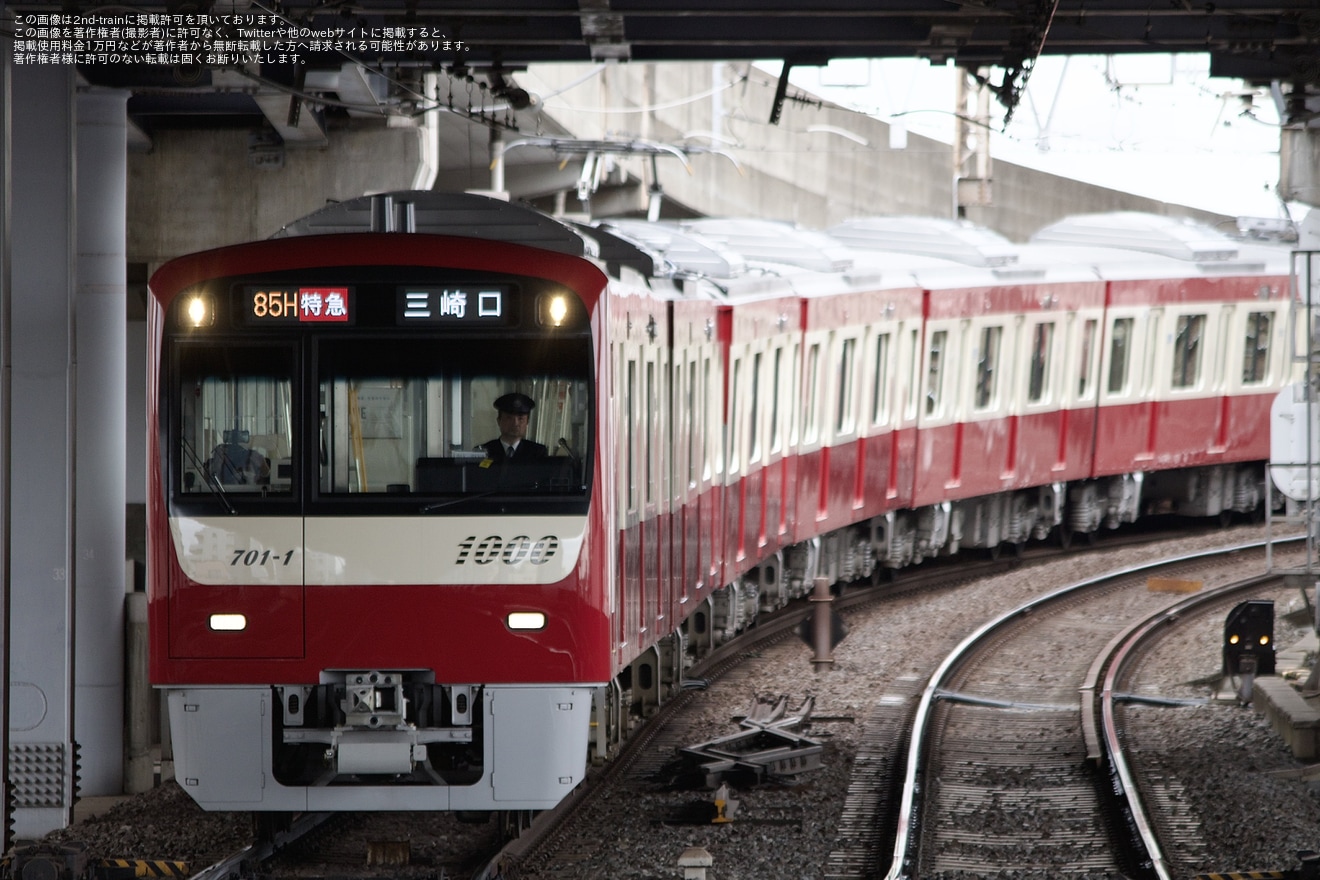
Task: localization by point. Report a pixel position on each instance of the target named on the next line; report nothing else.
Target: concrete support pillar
(100, 416)
(42, 757)
(1299, 165)
(6, 353)
(139, 774)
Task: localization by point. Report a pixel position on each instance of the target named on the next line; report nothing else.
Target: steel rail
(909, 818)
(1125, 651)
(244, 862)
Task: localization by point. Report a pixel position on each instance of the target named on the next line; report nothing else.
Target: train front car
(355, 603)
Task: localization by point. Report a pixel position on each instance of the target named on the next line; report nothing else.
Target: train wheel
(514, 822)
(1063, 536)
(268, 824)
(995, 552)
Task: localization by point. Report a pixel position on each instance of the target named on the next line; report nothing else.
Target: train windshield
(235, 419)
(322, 420)
(419, 416)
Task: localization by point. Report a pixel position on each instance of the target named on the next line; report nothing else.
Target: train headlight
(554, 310)
(526, 620)
(557, 310)
(228, 622)
(199, 311)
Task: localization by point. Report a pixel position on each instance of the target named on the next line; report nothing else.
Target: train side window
(753, 429)
(649, 436)
(776, 429)
(811, 396)
(692, 420)
(1085, 377)
(1042, 345)
(629, 440)
(846, 418)
(734, 434)
(987, 367)
(913, 373)
(1120, 354)
(1187, 347)
(1256, 353)
(709, 462)
(935, 370)
(880, 394)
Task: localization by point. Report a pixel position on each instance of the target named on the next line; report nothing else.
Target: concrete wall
(792, 172)
(197, 189)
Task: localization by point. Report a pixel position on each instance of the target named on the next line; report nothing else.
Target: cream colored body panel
(366, 551)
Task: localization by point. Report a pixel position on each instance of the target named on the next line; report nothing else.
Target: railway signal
(1249, 643)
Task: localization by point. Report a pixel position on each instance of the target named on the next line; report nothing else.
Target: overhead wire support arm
(1020, 58)
(781, 90)
(592, 150)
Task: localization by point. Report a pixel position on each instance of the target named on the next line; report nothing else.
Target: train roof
(726, 248)
(1122, 244)
(744, 256)
(731, 263)
(684, 250)
(466, 215)
(733, 252)
(1131, 244)
(955, 240)
(1176, 237)
(1118, 264)
(773, 241)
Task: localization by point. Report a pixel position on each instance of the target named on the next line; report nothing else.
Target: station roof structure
(1262, 41)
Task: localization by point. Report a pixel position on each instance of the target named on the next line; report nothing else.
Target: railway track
(565, 842)
(1170, 840)
(998, 778)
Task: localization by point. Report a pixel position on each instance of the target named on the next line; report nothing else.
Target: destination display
(490, 304)
(291, 304)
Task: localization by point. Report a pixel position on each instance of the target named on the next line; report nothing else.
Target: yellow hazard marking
(149, 867)
(1182, 585)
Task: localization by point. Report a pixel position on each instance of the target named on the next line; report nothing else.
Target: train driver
(234, 462)
(512, 444)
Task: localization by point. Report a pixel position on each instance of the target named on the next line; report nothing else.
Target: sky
(1156, 125)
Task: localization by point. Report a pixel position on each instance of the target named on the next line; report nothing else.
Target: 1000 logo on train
(511, 552)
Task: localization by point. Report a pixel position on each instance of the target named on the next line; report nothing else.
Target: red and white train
(352, 607)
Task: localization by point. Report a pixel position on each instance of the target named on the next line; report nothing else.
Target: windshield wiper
(209, 478)
(431, 508)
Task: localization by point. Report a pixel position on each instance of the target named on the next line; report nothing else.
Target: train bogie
(1220, 490)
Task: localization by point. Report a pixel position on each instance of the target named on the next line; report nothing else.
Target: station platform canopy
(1261, 41)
